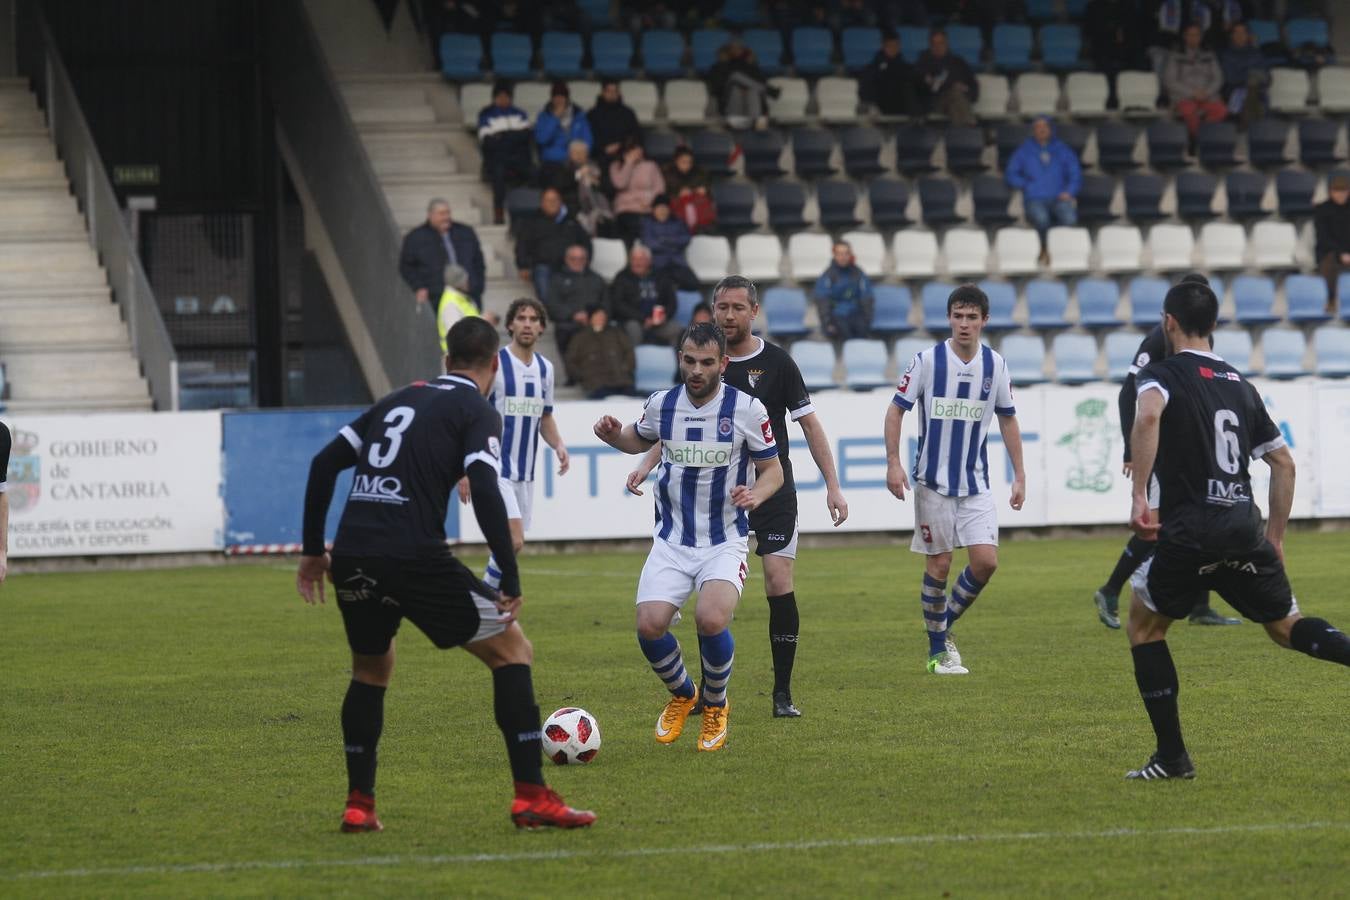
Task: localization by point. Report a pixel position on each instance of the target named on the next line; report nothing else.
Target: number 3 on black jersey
(398, 419)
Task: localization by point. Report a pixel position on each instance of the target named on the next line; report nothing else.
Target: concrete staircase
(62, 340)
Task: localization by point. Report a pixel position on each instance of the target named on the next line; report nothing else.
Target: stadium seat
(809, 254)
(1274, 245)
(865, 364)
(1246, 192)
(1137, 93)
(1234, 346)
(1283, 349)
(462, 58)
(913, 41)
(712, 150)
(1143, 197)
(1095, 198)
(785, 200)
(991, 195)
(815, 360)
(785, 312)
(891, 304)
(763, 153)
(1017, 251)
(704, 44)
(838, 204)
(1333, 89)
(1195, 195)
(1097, 302)
(1008, 137)
(1264, 31)
(1317, 139)
(966, 42)
(561, 52)
(933, 298)
(532, 96)
(811, 152)
(1223, 245)
(608, 257)
(1075, 357)
(1086, 93)
(1331, 346)
(1306, 297)
(1012, 47)
(1120, 348)
(1146, 301)
(709, 256)
(1167, 144)
(685, 301)
(859, 46)
(1025, 355)
(521, 203)
(937, 197)
(656, 367)
(861, 146)
(759, 256)
(812, 50)
(473, 96)
(1288, 92)
(585, 91)
(1037, 94)
(914, 146)
(1254, 300)
(1266, 143)
(662, 53)
(1116, 146)
(1047, 303)
(1295, 191)
(1075, 135)
(869, 251)
(837, 100)
(1119, 248)
(595, 13)
(642, 97)
(686, 102)
(735, 203)
(1002, 301)
(511, 55)
(994, 95)
(1070, 249)
(1061, 46)
(888, 198)
(909, 347)
(1217, 145)
(1171, 247)
(660, 145)
(1300, 31)
(789, 107)
(767, 43)
(966, 251)
(965, 150)
(1042, 10)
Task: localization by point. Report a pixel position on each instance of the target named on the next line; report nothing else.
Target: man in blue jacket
(1047, 172)
(559, 124)
(843, 297)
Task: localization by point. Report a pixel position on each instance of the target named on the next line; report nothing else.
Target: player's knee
(939, 567)
(650, 631)
(1279, 631)
(712, 621)
(984, 569)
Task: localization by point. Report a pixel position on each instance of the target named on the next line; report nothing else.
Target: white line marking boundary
(639, 852)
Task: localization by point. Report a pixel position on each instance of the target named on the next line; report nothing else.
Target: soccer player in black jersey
(767, 372)
(1138, 550)
(5, 441)
(390, 561)
(1198, 423)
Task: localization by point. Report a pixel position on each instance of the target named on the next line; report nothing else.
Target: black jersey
(1213, 423)
(412, 448)
(1152, 347)
(771, 376)
(4, 457)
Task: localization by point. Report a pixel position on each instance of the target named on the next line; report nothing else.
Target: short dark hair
(502, 86)
(607, 81)
(701, 306)
(1194, 306)
(968, 295)
(701, 334)
(471, 343)
(736, 282)
(1194, 278)
(526, 303)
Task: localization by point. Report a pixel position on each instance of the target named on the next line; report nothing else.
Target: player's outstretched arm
(768, 479)
(1143, 453)
(623, 438)
(638, 476)
(896, 480)
(548, 430)
(323, 475)
(819, 445)
(1281, 497)
(1012, 440)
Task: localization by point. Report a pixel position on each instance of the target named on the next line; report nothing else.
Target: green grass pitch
(176, 733)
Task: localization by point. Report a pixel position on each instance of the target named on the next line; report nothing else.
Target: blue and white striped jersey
(706, 451)
(955, 400)
(523, 395)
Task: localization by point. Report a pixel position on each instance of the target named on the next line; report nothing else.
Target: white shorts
(942, 523)
(519, 499)
(673, 571)
(1139, 582)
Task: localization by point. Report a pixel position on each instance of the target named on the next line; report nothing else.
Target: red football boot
(360, 813)
(536, 806)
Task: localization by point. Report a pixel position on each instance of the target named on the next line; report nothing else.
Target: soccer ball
(571, 735)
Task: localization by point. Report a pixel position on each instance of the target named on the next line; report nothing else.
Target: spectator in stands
(948, 85)
(1111, 32)
(688, 185)
(435, 244)
(739, 85)
(667, 238)
(601, 356)
(560, 123)
(613, 122)
(543, 238)
(454, 303)
(642, 301)
(889, 82)
(1245, 75)
(582, 191)
(571, 291)
(504, 138)
(701, 313)
(1331, 226)
(1193, 80)
(637, 182)
(1047, 172)
(843, 296)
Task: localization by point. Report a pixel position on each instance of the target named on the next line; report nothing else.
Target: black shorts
(440, 596)
(775, 523)
(1253, 582)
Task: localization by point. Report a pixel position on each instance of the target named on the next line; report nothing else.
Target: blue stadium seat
(965, 149)
(1075, 357)
(1306, 296)
(1234, 345)
(785, 200)
(612, 54)
(1143, 196)
(909, 347)
(1217, 145)
(1295, 189)
(965, 41)
(1120, 348)
(1061, 46)
(838, 202)
(811, 150)
(1047, 302)
(511, 54)
(1317, 142)
(1244, 191)
(735, 206)
(865, 364)
(913, 41)
(712, 150)
(1264, 30)
(860, 46)
(889, 197)
(812, 50)
(1115, 146)
(1331, 345)
(937, 197)
(1266, 139)
(1195, 195)
(1042, 10)
(1002, 300)
(595, 12)
(933, 298)
(1075, 9)
(1298, 32)
(1146, 301)
(785, 312)
(1254, 300)
(763, 150)
(561, 52)
(1097, 301)
(704, 44)
(1012, 47)
(660, 145)
(462, 57)
(1343, 294)
(991, 195)
(655, 368)
(768, 47)
(1167, 144)
(862, 151)
(914, 146)
(890, 309)
(1025, 355)
(685, 301)
(1008, 136)
(1094, 199)
(815, 359)
(662, 53)
(1283, 349)
(741, 12)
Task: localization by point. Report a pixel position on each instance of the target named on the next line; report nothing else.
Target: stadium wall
(234, 481)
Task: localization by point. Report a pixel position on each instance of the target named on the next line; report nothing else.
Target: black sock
(362, 722)
(784, 625)
(1134, 555)
(518, 718)
(1320, 640)
(1157, 679)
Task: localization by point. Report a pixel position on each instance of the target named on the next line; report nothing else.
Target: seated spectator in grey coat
(571, 291)
(600, 356)
(642, 300)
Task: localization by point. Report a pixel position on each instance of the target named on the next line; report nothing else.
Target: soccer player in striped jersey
(958, 386)
(711, 434)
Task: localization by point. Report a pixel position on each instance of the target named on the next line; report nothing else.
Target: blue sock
(718, 651)
(668, 663)
(964, 594)
(492, 577)
(934, 597)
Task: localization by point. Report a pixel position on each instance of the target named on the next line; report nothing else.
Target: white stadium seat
(1289, 90)
(837, 99)
(1086, 93)
(1223, 245)
(994, 94)
(1070, 249)
(709, 256)
(1333, 89)
(966, 251)
(789, 108)
(1171, 247)
(473, 96)
(1119, 248)
(608, 257)
(915, 253)
(642, 97)
(1018, 250)
(1037, 94)
(1137, 93)
(809, 254)
(759, 256)
(869, 249)
(1274, 245)
(686, 102)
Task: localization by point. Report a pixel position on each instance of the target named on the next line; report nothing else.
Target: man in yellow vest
(454, 303)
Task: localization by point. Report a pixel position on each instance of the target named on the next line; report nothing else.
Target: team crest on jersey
(724, 426)
(754, 375)
(988, 385)
(494, 447)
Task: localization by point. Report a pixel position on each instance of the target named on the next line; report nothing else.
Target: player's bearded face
(701, 370)
(525, 327)
(733, 314)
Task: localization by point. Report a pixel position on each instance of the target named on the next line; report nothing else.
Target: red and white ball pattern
(571, 735)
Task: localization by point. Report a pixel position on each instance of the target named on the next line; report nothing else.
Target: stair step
(78, 404)
(395, 115)
(117, 364)
(21, 119)
(84, 388)
(100, 315)
(82, 278)
(387, 78)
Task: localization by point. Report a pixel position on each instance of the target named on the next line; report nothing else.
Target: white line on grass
(764, 847)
